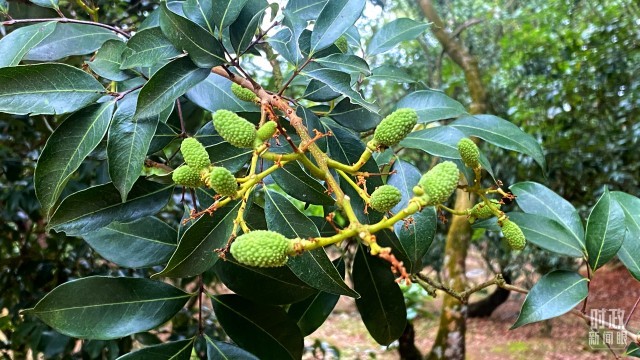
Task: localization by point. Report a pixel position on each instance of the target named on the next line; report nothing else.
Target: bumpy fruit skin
(482, 211)
(222, 181)
(385, 197)
(261, 248)
(440, 182)
(243, 94)
(234, 129)
(469, 152)
(513, 234)
(266, 131)
(342, 44)
(395, 127)
(194, 154)
(187, 176)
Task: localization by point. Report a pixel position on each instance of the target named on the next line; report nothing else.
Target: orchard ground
(565, 337)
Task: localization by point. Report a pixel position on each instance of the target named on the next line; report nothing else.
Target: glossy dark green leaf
(501, 133)
(108, 61)
(99, 206)
(285, 218)
(306, 9)
(335, 19)
(245, 26)
(70, 39)
(195, 253)
(176, 350)
(390, 73)
(214, 93)
(605, 230)
(633, 350)
(416, 236)
(381, 304)
(17, 43)
(226, 12)
(221, 152)
(147, 48)
(201, 12)
(548, 234)
(437, 141)
(319, 91)
(141, 243)
(432, 105)
(553, 295)
(393, 33)
(281, 43)
(167, 84)
(46, 89)
(350, 64)
(218, 350)
(300, 185)
(629, 252)
(204, 49)
(109, 308)
(278, 286)
(53, 4)
(354, 116)
(264, 330)
(405, 176)
(67, 148)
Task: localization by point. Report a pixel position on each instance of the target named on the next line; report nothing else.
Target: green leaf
(176, 350)
(548, 234)
(201, 12)
(98, 206)
(629, 252)
(53, 4)
(534, 198)
(141, 243)
(319, 91)
(245, 26)
(300, 185)
(46, 89)
(306, 9)
(390, 73)
(393, 33)
(354, 116)
(633, 350)
(437, 141)
(226, 12)
(501, 133)
(147, 48)
(350, 64)
(168, 84)
(108, 61)
(278, 286)
(404, 177)
(336, 18)
(204, 49)
(195, 253)
(605, 231)
(264, 330)
(381, 304)
(416, 237)
(70, 39)
(214, 94)
(109, 308)
(432, 105)
(553, 295)
(16, 44)
(218, 350)
(67, 148)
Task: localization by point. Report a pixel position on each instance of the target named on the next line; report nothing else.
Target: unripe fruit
(395, 127)
(342, 44)
(194, 154)
(482, 210)
(243, 94)
(187, 176)
(234, 129)
(222, 181)
(384, 198)
(266, 131)
(513, 234)
(440, 182)
(261, 248)
(469, 152)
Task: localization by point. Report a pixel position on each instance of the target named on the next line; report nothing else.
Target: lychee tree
(286, 189)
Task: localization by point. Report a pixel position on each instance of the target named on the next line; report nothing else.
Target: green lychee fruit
(385, 197)
(222, 181)
(440, 182)
(513, 234)
(469, 152)
(342, 44)
(395, 127)
(194, 154)
(234, 129)
(242, 93)
(262, 248)
(187, 176)
(482, 210)
(266, 131)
